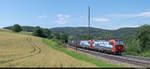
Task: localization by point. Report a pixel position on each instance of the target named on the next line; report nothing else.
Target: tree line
(43, 32)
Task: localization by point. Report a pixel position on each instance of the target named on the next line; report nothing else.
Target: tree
(132, 45)
(70, 38)
(143, 34)
(65, 37)
(17, 28)
(84, 37)
(56, 35)
(38, 31)
(107, 36)
(46, 33)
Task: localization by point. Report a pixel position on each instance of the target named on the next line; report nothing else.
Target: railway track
(134, 60)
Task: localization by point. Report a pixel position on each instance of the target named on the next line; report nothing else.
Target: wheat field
(17, 50)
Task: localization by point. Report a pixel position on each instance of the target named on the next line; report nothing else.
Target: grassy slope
(18, 50)
(79, 56)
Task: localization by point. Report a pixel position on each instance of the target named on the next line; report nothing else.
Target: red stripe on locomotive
(90, 42)
(114, 46)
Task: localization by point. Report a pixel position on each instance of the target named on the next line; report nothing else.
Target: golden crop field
(17, 50)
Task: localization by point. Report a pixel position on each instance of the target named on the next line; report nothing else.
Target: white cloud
(42, 16)
(123, 15)
(81, 16)
(59, 15)
(67, 16)
(132, 26)
(62, 18)
(100, 19)
(142, 14)
(60, 22)
(147, 14)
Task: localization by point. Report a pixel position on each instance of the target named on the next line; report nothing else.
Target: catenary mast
(89, 22)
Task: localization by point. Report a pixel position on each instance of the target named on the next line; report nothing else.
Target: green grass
(10, 31)
(26, 33)
(82, 57)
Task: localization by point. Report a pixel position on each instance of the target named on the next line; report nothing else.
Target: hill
(95, 31)
(80, 31)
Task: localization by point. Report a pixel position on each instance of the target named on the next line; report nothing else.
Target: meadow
(18, 50)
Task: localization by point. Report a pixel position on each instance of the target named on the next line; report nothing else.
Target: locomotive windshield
(119, 42)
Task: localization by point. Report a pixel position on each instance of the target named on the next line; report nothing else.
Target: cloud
(126, 26)
(60, 22)
(123, 15)
(62, 18)
(100, 19)
(81, 16)
(146, 14)
(42, 16)
(142, 14)
(132, 26)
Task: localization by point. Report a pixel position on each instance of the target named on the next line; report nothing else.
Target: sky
(105, 14)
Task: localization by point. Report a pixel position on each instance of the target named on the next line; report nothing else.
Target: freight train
(105, 46)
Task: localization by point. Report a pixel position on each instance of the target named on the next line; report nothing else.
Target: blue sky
(106, 14)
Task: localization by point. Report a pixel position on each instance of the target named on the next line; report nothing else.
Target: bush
(62, 37)
(41, 32)
(47, 33)
(17, 28)
(132, 46)
(38, 32)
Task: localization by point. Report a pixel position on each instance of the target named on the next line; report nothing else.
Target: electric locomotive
(105, 46)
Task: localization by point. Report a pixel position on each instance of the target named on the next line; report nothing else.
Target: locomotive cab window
(111, 43)
(119, 42)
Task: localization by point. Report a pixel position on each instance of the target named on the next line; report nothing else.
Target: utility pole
(89, 21)
(90, 42)
(76, 42)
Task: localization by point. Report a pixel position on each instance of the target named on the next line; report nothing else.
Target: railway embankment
(127, 60)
